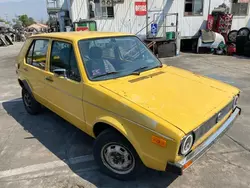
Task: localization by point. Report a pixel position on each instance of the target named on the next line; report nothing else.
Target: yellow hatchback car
(141, 112)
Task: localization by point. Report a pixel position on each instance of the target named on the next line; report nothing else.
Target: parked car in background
(141, 113)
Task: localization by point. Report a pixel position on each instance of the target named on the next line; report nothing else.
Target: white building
(192, 14)
(119, 15)
(58, 11)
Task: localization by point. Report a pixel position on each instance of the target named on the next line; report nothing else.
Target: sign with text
(140, 8)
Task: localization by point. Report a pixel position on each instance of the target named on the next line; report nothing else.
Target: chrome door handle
(49, 78)
(25, 69)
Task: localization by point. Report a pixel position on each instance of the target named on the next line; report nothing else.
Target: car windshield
(114, 57)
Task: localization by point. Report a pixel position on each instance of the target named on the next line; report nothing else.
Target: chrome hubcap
(117, 158)
(27, 100)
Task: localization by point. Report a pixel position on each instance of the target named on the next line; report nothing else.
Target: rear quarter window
(37, 53)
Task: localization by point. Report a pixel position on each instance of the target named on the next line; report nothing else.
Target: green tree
(25, 20)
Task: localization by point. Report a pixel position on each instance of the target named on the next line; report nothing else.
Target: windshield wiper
(158, 66)
(138, 71)
(108, 73)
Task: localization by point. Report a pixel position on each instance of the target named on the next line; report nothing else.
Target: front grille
(205, 127)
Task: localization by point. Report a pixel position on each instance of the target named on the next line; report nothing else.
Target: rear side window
(37, 53)
(63, 57)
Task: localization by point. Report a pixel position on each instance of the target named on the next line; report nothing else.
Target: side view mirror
(60, 72)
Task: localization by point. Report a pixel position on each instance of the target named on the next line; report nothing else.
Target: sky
(33, 8)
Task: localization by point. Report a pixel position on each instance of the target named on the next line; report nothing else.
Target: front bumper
(180, 166)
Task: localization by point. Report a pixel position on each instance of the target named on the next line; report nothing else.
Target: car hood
(180, 97)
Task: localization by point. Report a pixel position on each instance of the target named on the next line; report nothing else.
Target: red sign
(82, 28)
(140, 8)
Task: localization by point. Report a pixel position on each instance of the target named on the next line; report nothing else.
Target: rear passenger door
(35, 65)
(65, 90)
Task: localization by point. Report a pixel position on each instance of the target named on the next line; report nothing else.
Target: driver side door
(65, 83)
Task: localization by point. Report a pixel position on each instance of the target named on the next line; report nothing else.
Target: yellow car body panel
(183, 95)
(164, 102)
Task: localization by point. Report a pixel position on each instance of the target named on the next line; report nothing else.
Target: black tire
(30, 104)
(249, 37)
(247, 49)
(244, 31)
(240, 43)
(232, 36)
(110, 138)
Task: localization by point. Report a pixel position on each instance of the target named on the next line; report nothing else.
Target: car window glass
(63, 57)
(40, 53)
(29, 55)
(130, 56)
(107, 49)
(37, 54)
(129, 49)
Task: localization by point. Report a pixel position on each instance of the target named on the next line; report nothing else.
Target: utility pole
(147, 19)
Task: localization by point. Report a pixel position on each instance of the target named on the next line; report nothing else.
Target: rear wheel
(244, 31)
(30, 104)
(232, 35)
(116, 157)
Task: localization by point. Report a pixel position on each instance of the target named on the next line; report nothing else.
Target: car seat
(96, 61)
(64, 58)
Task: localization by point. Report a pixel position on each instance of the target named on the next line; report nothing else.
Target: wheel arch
(104, 123)
(108, 122)
(24, 85)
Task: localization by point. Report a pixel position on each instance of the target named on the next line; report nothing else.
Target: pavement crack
(238, 143)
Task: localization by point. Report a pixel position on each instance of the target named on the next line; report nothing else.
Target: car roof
(79, 35)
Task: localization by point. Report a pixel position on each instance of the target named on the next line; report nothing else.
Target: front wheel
(116, 156)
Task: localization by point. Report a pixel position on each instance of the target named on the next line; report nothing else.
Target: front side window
(114, 57)
(63, 58)
(193, 8)
(37, 53)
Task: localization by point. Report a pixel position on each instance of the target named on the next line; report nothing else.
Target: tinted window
(37, 54)
(63, 57)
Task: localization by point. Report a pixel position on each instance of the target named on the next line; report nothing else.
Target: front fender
(140, 138)
(114, 123)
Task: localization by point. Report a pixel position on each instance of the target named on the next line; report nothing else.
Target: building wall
(78, 9)
(125, 19)
(241, 21)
